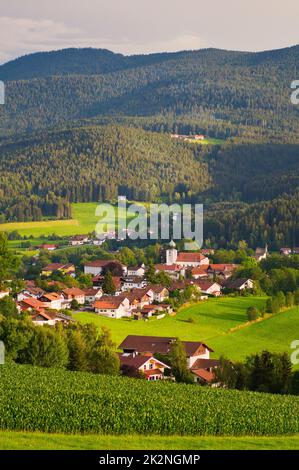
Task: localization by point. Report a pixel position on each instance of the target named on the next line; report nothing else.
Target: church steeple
(171, 254)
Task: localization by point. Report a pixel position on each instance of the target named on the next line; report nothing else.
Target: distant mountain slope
(89, 61)
(250, 89)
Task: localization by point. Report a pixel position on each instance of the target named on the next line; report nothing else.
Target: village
(120, 291)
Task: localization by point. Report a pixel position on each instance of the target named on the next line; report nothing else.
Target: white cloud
(20, 36)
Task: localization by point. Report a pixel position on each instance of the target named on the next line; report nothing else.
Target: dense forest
(41, 176)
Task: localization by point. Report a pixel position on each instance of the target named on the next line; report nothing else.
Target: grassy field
(207, 141)
(40, 441)
(84, 221)
(210, 319)
(213, 322)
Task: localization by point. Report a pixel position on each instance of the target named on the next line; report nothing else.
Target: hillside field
(212, 321)
(83, 222)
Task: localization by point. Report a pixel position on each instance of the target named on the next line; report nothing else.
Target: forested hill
(89, 61)
(40, 176)
(247, 89)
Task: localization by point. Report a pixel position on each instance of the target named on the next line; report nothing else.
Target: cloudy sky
(144, 26)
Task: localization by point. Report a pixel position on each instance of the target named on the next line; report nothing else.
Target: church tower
(171, 254)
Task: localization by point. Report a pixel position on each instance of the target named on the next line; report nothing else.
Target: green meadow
(222, 323)
(41, 441)
(84, 221)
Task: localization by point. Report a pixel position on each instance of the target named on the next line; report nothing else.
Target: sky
(145, 26)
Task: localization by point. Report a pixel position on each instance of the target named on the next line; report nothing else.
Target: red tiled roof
(32, 303)
(222, 267)
(190, 257)
(200, 271)
(204, 374)
(166, 267)
(73, 291)
(109, 302)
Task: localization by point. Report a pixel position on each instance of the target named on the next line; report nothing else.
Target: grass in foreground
(39, 441)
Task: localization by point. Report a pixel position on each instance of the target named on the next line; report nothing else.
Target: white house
(133, 282)
(113, 307)
(53, 301)
(209, 287)
(79, 240)
(151, 368)
(136, 271)
(92, 294)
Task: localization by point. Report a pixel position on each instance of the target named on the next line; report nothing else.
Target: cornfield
(48, 400)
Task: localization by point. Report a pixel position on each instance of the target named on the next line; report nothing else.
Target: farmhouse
(162, 345)
(142, 366)
(113, 307)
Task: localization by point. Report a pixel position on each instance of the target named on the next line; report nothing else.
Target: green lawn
(39, 441)
(213, 321)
